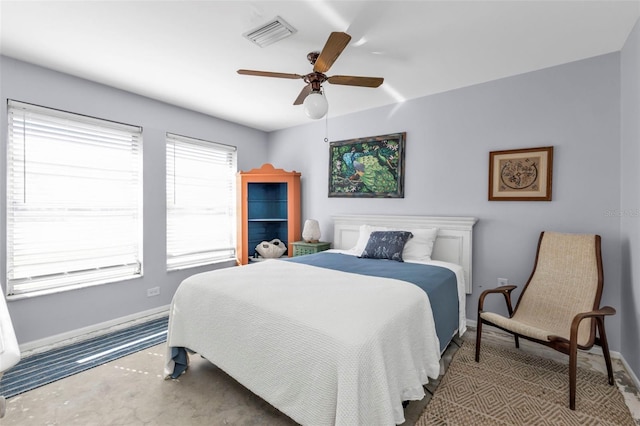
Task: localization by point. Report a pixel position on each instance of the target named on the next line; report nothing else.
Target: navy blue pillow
(386, 245)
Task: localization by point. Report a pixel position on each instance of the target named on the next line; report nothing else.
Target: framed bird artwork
(370, 167)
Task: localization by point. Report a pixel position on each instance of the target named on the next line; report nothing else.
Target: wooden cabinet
(268, 208)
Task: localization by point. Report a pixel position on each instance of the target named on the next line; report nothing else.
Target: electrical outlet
(153, 291)
(503, 281)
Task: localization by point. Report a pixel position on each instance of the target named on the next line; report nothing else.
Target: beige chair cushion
(516, 326)
(565, 283)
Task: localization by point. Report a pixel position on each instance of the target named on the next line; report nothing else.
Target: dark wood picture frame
(370, 167)
(521, 174)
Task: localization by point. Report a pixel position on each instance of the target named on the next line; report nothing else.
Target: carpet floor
(131, 391)
(47, 367)
(513, 387)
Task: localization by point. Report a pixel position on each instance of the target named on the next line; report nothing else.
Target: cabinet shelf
(268, 208)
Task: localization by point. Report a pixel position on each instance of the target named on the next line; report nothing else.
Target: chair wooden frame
(569, 347)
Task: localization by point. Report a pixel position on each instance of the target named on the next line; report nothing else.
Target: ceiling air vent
(269, 33)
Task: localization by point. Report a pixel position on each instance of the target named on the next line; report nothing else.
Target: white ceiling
(187, 52)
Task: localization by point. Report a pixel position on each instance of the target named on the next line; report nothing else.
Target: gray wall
(573, 107)
(630, 206)
(44, 316)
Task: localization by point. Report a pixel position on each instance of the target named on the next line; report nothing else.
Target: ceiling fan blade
(336, 43)
(269, 74)
(303, 94)
(350, 80)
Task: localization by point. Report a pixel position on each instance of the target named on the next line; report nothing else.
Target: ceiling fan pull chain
(326, 126)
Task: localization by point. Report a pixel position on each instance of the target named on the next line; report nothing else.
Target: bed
(333, 338)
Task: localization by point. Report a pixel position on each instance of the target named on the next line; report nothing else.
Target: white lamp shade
(315, 105)
(311, 231)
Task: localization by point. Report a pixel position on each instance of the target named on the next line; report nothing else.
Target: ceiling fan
(311, 95)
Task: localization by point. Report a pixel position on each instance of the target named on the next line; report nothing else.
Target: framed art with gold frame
(521, 174)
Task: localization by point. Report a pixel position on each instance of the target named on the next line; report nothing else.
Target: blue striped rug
(47, 367)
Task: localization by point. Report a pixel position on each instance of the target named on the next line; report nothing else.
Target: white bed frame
(454, 243)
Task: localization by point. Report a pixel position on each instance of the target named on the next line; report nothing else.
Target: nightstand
(301, 248)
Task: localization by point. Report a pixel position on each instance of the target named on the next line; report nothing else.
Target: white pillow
(421, 245)
(363, 237)
(417, 248)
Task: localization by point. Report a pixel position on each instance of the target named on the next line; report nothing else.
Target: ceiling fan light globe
(315, 105)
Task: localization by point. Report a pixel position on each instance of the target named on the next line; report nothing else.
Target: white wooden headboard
(454, 243)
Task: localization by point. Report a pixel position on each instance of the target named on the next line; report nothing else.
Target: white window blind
(73, 200)
(201, 201)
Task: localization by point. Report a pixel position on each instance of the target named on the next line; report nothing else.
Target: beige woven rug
(510, 387)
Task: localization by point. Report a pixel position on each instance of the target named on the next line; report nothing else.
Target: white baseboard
(80, 334)
(593, 351)
(627, 367)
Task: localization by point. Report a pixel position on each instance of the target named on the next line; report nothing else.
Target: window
(201, 224)
(73, 200)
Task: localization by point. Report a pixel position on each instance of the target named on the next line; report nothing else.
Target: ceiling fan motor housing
(315, 79)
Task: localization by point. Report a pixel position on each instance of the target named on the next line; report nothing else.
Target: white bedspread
(324, 347)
